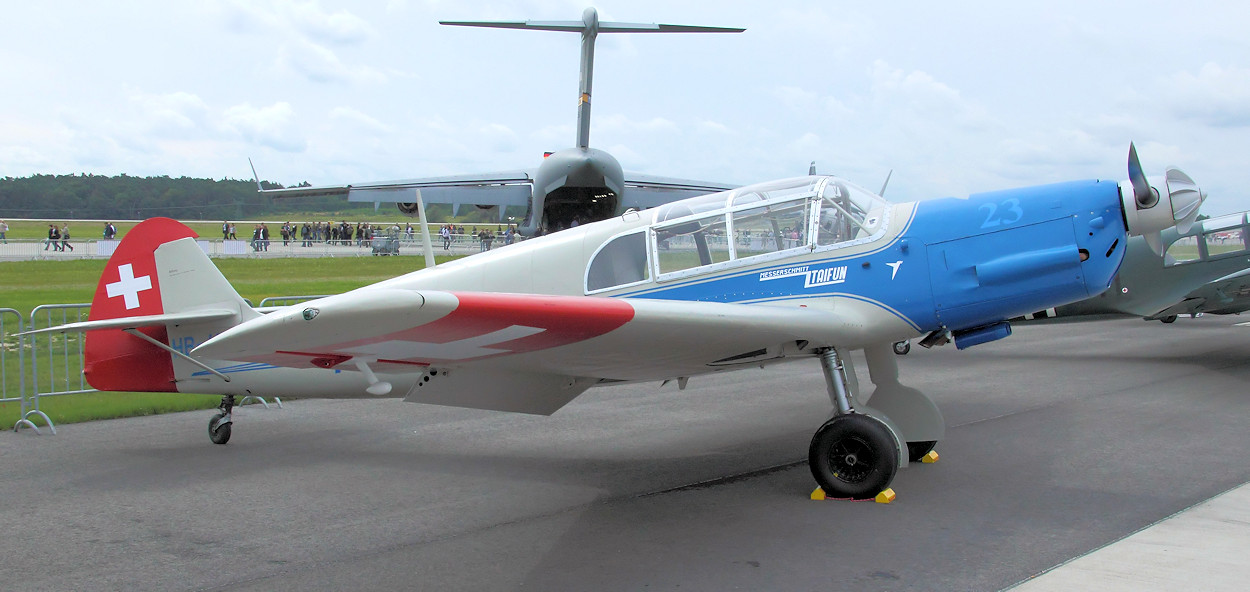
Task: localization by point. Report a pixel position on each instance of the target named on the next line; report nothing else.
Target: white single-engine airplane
(804, 268)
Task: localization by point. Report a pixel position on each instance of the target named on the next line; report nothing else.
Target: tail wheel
(902, 347)
(853, 456)
(219, 432)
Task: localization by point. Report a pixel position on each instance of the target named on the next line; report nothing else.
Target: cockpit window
(1216, 238)
(770, 228)
(847, 213)
(762, 221)
(620, 262)
(694, 243)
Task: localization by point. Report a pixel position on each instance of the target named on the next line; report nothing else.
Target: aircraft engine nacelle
(408, 209)
(1154, 204)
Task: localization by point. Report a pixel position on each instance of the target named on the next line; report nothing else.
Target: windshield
(848, 212)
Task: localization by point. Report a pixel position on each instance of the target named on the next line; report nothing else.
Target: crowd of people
(486, 237)
(361, 234)
(308, 234)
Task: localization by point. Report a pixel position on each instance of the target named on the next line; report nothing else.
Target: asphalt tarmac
(1061, 439)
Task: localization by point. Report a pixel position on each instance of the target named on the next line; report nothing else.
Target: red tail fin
(114, 360)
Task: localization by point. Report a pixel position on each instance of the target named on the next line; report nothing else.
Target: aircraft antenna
(590, 26)
(886, 183)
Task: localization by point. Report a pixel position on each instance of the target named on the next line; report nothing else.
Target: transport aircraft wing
(498, 190)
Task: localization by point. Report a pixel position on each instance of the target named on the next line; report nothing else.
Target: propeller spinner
(1158, 202)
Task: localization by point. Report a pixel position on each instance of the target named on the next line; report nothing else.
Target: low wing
(507, 188)
(648, 191)
(1227, 295)
(524, 353)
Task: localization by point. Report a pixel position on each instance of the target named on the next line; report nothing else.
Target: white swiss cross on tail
(128, 286)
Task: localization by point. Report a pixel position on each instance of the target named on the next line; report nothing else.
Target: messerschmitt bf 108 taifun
(810, 268)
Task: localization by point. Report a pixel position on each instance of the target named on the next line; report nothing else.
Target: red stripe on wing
(562, 320)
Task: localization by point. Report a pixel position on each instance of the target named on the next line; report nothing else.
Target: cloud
(1216, 96)
(172, 114)
(301, 32)
(340, 27)
(359, 121)
(499, 137)
(318, 63)
(271, 126)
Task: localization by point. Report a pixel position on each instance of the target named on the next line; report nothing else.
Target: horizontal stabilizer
(174, 319)
(604, 26)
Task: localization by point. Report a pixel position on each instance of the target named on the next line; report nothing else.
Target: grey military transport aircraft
(579, 184)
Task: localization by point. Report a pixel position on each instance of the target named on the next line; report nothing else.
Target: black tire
(901, 348)
(221, 435)
(1168, 319)
(853, 456)
(917, 450)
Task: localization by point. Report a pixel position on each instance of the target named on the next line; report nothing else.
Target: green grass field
(28, 284)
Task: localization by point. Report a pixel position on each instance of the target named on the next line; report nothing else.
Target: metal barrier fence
(13, 345)
(460, 244)
(287, 300)
(51, 364)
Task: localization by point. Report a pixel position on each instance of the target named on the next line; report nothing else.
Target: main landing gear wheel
(902, 347)
(853, 456)
(917, 450)
(1168, 319)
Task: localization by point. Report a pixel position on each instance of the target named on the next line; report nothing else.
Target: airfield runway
(1061, 439)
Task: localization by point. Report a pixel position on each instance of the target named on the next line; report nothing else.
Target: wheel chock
(930, 458)
(884, 497)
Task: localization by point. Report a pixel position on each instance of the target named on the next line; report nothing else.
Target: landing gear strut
(219, 426)
(853, 455)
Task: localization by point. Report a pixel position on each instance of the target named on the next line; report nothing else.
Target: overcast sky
(955, 97)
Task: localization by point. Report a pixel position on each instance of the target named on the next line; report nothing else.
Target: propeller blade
(1155, 241)
(1143, 194)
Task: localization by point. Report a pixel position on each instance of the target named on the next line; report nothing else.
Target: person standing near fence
(225, 230)
(4, 232)
(54, 238)
(65, 237)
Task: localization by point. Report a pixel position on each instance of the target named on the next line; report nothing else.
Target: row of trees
(125, 197)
